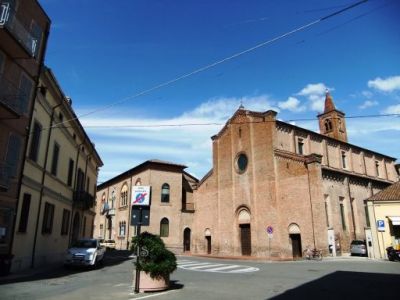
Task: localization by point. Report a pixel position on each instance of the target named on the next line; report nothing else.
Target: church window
(241, 163)
(342, 212)
(328, 125)
(300, 146)
(344, 160)
(377, 167)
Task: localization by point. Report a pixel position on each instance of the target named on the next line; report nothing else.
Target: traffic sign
(381, 225)
(270, 230)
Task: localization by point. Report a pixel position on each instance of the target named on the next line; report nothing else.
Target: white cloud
(315, 93)
(388, 84)
(393, 109)
(368, 103)
(291, 104)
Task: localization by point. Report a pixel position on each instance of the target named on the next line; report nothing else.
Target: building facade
(384, 221)
(171, 210)
(24, 29)
(58, 187)
(306, 188)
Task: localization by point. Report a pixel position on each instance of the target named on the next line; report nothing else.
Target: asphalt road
(207, 278)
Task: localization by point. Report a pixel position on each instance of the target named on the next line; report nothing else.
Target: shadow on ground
(111, 258)
(347, 285)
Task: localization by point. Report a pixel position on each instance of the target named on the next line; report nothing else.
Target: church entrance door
(245, 239)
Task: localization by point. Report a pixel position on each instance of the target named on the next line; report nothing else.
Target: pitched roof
(390, 193)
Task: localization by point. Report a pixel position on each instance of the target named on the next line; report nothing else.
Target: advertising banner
(140, 195)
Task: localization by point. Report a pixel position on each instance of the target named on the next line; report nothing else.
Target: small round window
(241, 162)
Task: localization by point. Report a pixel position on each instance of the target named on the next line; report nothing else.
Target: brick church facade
(309, 187)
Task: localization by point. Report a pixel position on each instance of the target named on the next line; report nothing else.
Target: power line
(236, 55)
(219, 124)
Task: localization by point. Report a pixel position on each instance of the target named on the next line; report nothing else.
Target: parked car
(85, 252)
(358, 247)
(108, 244)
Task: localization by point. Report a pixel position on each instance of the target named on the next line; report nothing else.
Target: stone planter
(148, 284)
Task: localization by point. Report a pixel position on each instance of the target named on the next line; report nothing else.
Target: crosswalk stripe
(206, 266)
(251, 269)
(193, 264)
(223, 268)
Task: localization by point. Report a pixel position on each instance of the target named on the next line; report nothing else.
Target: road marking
(153, 295)
(214, 267)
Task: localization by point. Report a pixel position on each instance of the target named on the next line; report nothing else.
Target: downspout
(311, 206)
(46, 36)
(42, 183)
(84, 182)
(352, 208)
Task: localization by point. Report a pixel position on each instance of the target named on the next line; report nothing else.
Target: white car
(85, 252)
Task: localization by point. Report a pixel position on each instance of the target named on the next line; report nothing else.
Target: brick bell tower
(332, 122)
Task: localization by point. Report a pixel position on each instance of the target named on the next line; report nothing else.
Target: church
(275, 188)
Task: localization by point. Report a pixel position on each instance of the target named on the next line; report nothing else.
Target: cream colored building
(24, 29)
(384, 219)
(56, 204)
(171, 209)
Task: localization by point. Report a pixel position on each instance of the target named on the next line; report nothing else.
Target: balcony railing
(83, 200)
(13, 97)
(9, 20)
(5, 175)
(188, 207)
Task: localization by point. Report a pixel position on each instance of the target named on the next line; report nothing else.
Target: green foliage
(157, 260)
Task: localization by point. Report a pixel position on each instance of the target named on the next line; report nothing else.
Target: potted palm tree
(155, 262)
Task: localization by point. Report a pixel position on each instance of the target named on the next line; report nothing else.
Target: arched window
(165, 193)
(164, 227)
(328, 125)
(124, 196)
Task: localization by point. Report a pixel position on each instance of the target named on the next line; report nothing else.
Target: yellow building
(384, 216)
(56, 203)
(24, 28)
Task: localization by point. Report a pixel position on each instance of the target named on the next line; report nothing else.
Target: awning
(395, 220)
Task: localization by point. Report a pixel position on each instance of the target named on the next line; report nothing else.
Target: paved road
(350, 278)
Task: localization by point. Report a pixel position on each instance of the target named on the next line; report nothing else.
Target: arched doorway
(75, 228)
(207, 234)
(186, 240)
(245, 231)
(295, 238)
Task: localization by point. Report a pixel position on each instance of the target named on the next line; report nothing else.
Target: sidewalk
(30, 274)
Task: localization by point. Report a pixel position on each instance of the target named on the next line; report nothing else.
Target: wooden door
(245, 239)
(296, 245)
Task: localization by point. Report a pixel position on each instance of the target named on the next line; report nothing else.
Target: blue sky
(103, 52)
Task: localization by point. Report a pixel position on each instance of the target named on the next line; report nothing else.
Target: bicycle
(314, 254)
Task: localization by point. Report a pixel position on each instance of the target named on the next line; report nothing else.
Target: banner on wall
(140, 195)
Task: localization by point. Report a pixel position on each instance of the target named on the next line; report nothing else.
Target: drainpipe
(311, 206)
(84, 182)
(352, 208)
(42, 183)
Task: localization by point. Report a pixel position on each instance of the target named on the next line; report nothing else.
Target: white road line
(250, 269)
(206, 266)
(153, 295)
(223, 268)
(192, 264)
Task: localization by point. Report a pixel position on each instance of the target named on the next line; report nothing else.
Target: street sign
(381, 225)
(270, 230)
(140, 195)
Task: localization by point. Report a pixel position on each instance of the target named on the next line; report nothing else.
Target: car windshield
(357, 242)
(85, 244)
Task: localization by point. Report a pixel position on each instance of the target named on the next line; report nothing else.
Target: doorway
(186, 240)
(75, 228)
(296, 245)
(245, 239)
(208, 241)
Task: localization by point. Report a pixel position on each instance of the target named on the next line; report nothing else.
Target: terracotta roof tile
(390, 193)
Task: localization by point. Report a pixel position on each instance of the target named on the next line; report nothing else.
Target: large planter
(148, 284)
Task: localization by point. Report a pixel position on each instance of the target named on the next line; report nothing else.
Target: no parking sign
(270, 231)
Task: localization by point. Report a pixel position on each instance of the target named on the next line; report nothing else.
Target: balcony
(14, 99)
(83, 200)
(110, 212)
(16, 38)
(5, 175)
(188, 207)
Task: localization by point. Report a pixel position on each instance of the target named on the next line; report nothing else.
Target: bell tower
(332, 122)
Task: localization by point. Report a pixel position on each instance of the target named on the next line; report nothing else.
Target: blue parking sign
(381, 225)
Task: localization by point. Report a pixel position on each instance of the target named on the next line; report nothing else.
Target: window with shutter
(13, 151)
(25, 91)
(23, 219)
(54, 164)
(35, 141)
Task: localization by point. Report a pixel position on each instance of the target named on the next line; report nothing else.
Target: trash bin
(5, 264)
